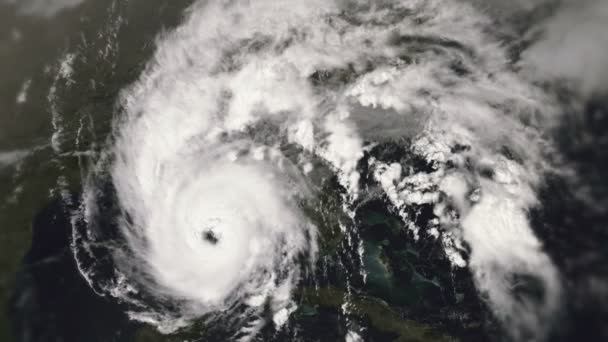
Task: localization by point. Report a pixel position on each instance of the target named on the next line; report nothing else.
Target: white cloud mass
(201, 157)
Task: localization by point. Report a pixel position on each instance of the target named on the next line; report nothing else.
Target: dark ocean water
(42, 295)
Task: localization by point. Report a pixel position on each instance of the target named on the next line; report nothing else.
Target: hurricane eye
(210, 236)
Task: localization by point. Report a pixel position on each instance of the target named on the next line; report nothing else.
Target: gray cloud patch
(574, 46)
(43, 8)
(12, 157)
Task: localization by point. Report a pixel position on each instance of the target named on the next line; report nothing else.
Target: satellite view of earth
(314, 170)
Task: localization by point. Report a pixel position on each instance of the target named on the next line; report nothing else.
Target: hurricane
(199, 207)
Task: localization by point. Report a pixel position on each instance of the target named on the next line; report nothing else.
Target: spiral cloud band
(217, 141)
